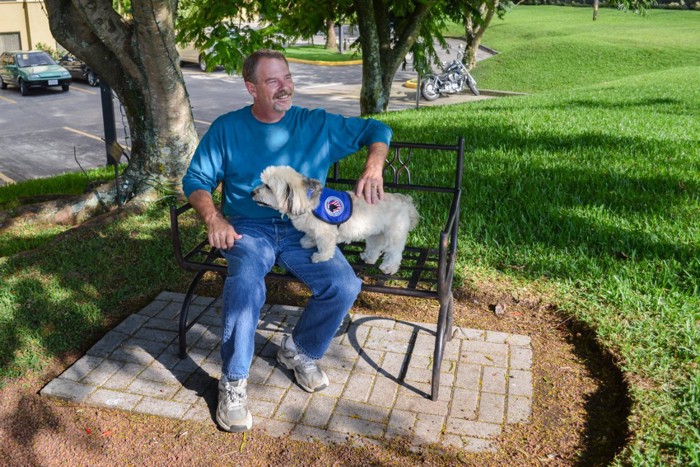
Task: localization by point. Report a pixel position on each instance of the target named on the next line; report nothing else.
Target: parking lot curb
(324, 63)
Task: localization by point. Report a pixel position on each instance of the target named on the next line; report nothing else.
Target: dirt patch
(579, 417)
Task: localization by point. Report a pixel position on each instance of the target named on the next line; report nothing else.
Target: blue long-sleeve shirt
(238, 147)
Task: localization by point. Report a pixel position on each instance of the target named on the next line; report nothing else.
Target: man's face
(272, 92)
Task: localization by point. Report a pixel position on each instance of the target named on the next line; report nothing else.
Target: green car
(31, 69)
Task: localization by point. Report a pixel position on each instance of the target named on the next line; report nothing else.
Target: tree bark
(331, 39)
(136, 56)
(595, 9)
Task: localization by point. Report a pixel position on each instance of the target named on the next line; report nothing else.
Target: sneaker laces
(235, 395)
(307, 363)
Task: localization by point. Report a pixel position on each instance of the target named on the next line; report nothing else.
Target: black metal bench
(426, 171)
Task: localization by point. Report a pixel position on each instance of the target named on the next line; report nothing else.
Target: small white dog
(383, 225)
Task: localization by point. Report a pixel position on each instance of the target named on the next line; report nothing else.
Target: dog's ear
(299, 195)
(289, 199)
(313, 189)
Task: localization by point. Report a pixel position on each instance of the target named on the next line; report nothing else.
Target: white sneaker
(232, 413)
(307, 374)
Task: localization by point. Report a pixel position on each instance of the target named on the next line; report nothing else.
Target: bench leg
(450, 318)
(443, 334)
(184, 311)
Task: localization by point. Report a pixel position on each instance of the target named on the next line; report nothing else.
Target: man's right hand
(220, 232)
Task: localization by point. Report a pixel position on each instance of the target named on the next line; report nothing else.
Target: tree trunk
(474, 33)
(331, 39)
(595, 9)
(385, 42)
(137, 58)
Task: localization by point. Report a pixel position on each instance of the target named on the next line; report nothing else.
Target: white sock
(290, 344)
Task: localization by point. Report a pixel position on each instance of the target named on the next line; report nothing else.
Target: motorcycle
(451, 81)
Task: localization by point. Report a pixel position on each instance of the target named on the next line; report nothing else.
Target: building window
(10, 41)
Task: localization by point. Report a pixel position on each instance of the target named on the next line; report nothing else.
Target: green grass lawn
(591, 184)
(560, 47)
(597, 191)
(319, 53)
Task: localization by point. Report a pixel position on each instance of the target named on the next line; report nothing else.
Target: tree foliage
(388, 32)
(225, 31)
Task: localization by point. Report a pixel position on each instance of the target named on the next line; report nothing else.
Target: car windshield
(34, 59)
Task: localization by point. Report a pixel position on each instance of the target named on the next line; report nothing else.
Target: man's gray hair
(250, 65)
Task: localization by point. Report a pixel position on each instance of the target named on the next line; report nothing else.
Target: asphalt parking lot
(50, 132)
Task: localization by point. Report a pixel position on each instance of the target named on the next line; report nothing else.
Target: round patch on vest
(334, 206)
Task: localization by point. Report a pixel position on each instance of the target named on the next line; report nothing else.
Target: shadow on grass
(594, 193)
(66, 295)
(608, 409)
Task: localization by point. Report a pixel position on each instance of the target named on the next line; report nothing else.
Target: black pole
(340, 37)
(108, 121)
(417, 90)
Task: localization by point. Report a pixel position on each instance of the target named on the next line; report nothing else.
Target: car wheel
(23, 88)
(3, 85)
(92, 78)
(65, 87)
(202, 64)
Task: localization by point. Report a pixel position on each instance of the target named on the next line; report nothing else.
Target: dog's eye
(266, 186)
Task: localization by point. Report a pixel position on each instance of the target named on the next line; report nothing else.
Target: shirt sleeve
(350, 134)
(206, 167)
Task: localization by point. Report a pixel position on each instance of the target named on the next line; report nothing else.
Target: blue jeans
(266, 242)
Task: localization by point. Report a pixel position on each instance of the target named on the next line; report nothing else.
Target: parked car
(31, 69)
(78, 69)
(190, 54)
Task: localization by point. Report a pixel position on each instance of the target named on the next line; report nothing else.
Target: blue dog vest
(335, 206)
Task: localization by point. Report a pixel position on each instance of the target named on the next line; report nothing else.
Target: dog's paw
(319, 258)
(307, 242)
(389, 268)
(367, 258)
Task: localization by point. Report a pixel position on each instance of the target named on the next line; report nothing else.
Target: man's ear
(251, 89)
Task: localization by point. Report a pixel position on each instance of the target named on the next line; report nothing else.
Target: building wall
(28, 18)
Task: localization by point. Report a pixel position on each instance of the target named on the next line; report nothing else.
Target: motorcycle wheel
(428, 90)
(472, 85)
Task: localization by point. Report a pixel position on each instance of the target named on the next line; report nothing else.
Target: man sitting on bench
(235, 150)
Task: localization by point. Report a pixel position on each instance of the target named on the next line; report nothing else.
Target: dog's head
(287, 191)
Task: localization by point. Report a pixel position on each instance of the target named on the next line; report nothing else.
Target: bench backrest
(440, 168)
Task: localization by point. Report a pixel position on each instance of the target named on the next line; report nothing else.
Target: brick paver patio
(378, 389)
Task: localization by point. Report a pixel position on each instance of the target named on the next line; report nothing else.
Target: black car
(78, 69)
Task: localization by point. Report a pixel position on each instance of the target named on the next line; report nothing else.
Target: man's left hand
(370, 186)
